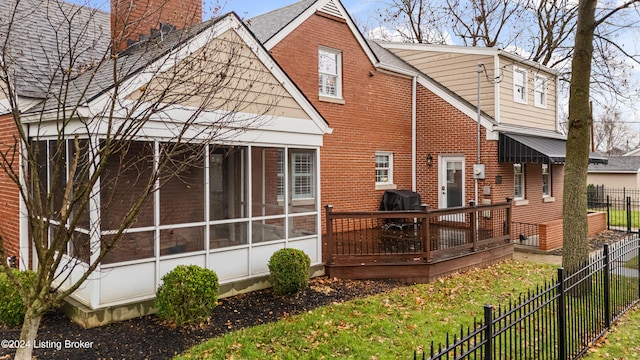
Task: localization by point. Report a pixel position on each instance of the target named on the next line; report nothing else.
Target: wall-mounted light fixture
(429, 160)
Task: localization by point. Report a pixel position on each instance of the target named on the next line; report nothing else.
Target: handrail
(422, 232)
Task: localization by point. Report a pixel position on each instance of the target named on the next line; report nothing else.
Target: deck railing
(426, 234)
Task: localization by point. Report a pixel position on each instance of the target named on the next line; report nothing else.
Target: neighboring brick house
(417, 105)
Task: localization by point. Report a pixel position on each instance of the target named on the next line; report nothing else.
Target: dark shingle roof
(47, 38)
(265, 26)
(619, 164)
(91, 84)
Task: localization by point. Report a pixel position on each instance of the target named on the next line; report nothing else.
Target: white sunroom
(245, 197)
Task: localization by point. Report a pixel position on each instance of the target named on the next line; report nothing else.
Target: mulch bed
(149, 338)
(598, 241)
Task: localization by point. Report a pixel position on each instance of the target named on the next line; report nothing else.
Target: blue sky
(251, 8)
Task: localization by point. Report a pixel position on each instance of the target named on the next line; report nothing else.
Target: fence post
(473, 221)
(608, 213)
(330, 241)
(638, 249)
(562, 317)
(426, 232)
(508, 224)
(488, 332)
(628, 214)
(607, 287)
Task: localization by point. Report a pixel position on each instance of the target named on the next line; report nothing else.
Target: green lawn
(619, 218)
(385, 326)
(632, 264)
(621, 342)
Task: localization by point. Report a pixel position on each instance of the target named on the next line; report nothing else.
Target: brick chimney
(131, 19)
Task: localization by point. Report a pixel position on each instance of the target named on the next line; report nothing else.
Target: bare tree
(484, 22)
(576, 251)
(415, 21)
(542, 31)
(611, 134)
(91, 134)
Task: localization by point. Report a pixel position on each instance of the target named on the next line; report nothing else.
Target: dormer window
(330, 73)
(520, 85)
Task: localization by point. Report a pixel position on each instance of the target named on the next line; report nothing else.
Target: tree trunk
(574, 211)
(28, 335)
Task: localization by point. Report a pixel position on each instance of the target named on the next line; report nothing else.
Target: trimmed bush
(187, 295)
(11, 306)
(289, 271)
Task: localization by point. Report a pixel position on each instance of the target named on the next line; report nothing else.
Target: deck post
(507, 225)
(473, 224)
(426, 232)
(329, 241)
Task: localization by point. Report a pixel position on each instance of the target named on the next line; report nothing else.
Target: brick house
(226, 209)
(414, 106)
(395, 123)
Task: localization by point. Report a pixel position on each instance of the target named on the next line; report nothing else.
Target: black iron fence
(557, 320)
(621, 205)
(525, 233)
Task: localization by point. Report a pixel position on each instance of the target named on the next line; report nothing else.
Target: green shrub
(289, 271)
(187, 295)
(11, 305)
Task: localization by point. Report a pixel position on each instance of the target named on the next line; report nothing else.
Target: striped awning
(516, 148)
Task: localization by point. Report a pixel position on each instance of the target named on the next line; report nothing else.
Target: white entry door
(451, 182)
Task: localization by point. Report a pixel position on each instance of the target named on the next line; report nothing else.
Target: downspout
(414, 136)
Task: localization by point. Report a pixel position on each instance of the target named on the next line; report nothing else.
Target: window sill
(332, 100)
(299, 202)
(386, 186)
(520, 202)
(548, 199)
(518, 101)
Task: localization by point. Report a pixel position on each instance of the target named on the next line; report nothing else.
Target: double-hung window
(520, 85)
(302, 171)
(384, 168)
(302, 175)
(330, 73)
(540, 92)
(546, 180)
(518, 181)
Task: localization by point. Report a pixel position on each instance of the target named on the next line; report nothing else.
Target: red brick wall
(376, 115)
(9, 194)
(130, 19)
(551, 232)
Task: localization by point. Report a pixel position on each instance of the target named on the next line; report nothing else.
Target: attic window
(329, 73)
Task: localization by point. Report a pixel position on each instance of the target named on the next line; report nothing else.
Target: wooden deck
(416, 246)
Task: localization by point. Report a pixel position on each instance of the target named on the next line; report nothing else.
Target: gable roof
(618, 164)
(35, 53)
(270, 28)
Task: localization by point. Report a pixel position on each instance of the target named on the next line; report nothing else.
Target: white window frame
(517, 175)
(520, 88)
(295, 156)
(546, 167)
(540, 91)
(323, 75)
(388, 168)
